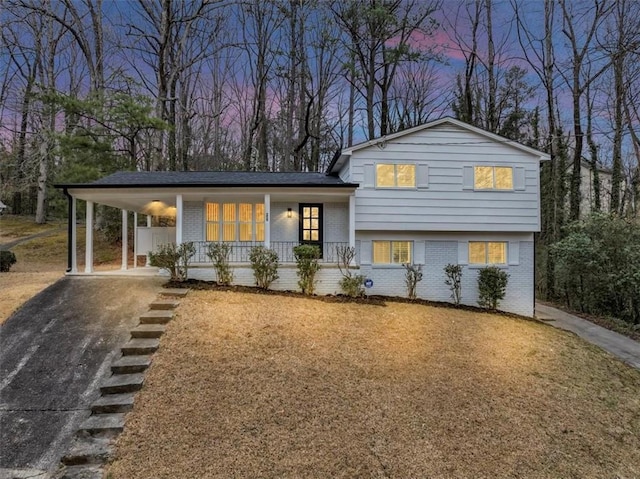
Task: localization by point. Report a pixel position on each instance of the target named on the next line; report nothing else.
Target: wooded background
(88, 87)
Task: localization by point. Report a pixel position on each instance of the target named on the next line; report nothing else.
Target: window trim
(395, 176)
(486, 254)
(391, 263)
(320, 241)
(493, 171)
(237, 230)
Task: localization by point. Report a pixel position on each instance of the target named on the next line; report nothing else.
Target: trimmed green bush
(492, 286)
(219, 254)
(7, 260)
(307, 257)
(264, 263)
(413, 275)
(174, 259)
(454, 281)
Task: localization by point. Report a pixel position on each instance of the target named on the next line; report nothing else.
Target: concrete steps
(156, 316)
(103, 425)
(122, 383)
(111, 403)
(148, 331)
(93, 444)
(174, 292)
(131, 364)
(140, 346)
(88, 450)
(164, 304)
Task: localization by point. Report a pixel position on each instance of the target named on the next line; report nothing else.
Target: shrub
(413, 276)
(307, 262)
(351, 284)
(219, 254)
(264, 263)
(492, 286)
(174, 259)
(454, 281)
(7, 260)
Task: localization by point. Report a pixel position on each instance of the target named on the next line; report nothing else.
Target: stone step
(174, 292)
(82, 472)
(131, 364)
(88, 450)
(140, 346)
(122, 383)
(103, 425)
(148, 331)
(111, 403)
(156, 316)
(162, 304)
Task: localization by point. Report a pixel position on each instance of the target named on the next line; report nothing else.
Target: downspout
(69, 229)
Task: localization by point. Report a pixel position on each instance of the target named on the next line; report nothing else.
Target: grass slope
(248, 385)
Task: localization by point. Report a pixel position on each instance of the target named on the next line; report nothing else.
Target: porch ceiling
(159, 201)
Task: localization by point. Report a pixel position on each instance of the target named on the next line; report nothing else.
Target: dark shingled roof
(143, 179)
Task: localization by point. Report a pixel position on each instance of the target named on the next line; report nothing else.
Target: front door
(311, 224)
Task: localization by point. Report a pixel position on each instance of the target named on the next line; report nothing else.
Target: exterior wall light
(289, 213)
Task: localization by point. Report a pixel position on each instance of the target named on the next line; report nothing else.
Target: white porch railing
(240, 251)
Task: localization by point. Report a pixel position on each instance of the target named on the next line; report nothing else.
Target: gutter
(204, 185)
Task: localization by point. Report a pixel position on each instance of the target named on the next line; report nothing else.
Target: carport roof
(150, 179)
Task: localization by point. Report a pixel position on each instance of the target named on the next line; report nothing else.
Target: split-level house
(441, 193)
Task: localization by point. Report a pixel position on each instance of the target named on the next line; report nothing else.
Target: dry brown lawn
(249, 385)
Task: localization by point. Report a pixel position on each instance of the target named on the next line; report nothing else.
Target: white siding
(440, 203)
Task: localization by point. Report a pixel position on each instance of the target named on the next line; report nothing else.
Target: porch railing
(240, 251)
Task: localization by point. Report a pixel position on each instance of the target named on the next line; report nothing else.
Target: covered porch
(276, 218)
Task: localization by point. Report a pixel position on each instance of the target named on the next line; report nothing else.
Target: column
(135, 240)
(125, 239)
(74, 236)
(147, 253)
(179, 219)
(267, 221)
(88, 254)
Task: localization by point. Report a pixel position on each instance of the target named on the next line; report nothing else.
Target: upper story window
(487, 252)
(493, 178)
(392, 252)
(234, 222)
(389, 175)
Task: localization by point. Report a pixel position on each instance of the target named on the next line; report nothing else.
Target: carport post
(135, 239)
(178, 219)
(74, 236)
(88, 250)
(125, 239)
(147, 262)
(267, 222)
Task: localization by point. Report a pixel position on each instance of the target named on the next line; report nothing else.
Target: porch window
(392, 252)
(234, 221)
(395, 176)
(487, 252)
(493, 178)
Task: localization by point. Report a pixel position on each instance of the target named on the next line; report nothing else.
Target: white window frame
(395, 176)
(220, 222)
(486, 254)
(391, 262)
(493, 173)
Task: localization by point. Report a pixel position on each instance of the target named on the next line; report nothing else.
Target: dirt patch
(248, 385)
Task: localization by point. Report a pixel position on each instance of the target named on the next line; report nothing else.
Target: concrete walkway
(620, 346)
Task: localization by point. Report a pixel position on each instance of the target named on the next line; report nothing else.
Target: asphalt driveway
(54, 352)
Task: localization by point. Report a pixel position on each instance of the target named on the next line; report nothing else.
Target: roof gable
(340, 160)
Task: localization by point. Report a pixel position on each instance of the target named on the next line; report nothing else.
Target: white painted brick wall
(328, 278)
(193, 221)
